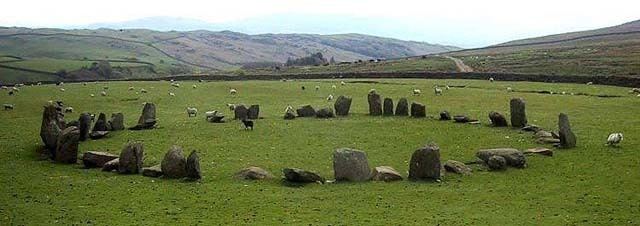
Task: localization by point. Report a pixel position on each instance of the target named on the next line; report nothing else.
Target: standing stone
(306, 111)
(518, 114)
(52, 125)
(325, 113)
(512, 156)
(567, 138)
(425, 163)
(254, 111)
(342, 106)
(174, 164)
(457, 167)
(445, 116)
(101, 123)
(117, 122)
(375, 104)
(148, 118)
(402, 109)
(418, 110)
(193, 166)
(85, 125)
(240, 112)
(387, 107)
(301, 176)
(386, 174)
(496, 162)
(130, 160)
(497, 119)
(351, 165)
(92, 159)
(289, 114)
(67, 146)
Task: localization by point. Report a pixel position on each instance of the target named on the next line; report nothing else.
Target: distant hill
(172, 51)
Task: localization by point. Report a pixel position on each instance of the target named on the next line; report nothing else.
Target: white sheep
(103, 93)
(172, 94)
(16, 89)
(231, 107)
(4, 87)
(39, 83)
(614, 139)
(342, 83)
(288, 108)
(635, 90)
(447, 87)
(589, 83)
(491, 79)
(62, 90)
(317, 88)
(8, 106)
(191, 111)
(334, 87)
(143, 91)
(92, 95)
(233, 91)
(330, 97)
(68, 110)
(417, 92)
(437, 91)
(194, 86)
(131, 88)
(564, 93)
(177, 85)
(509, 89)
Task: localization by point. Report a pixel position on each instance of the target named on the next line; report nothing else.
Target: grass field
(590, 184)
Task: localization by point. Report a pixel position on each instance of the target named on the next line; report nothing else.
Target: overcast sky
(470, 23)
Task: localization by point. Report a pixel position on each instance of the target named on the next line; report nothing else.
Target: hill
(174, 52)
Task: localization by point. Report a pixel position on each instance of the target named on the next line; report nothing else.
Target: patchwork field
(589, 184)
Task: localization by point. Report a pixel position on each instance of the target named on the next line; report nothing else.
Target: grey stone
(445, 116)
(457, 167)
(342, 105)
(253, 112)
(306, 111)
(418, 110)
(240, 112)
(496, 162)
(512, 156)
(67, 146)
(425, 163)
(93, 159)
(73, 123)
(148, 118)
(52, 125)
(95, 135)
(402, 109)
(543, 134)
(253, 173)
(174, 165)
(386, 174)
(497, 119)
(193, 166)
(324, 113)
(85, 125)
(131, 157)
(153, 171)
(101, 123)
(117, 122)
(351, 165)
(387, 107)
(301, 176)
(375, 104)
(111, 165)
(539, 150)
(462, 119)
(548, 140)
(518, 114)
(289, 114)
(567, 137)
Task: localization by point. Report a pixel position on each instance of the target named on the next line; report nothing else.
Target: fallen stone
(93, 159)
(539, 150)
(95, 135)
(253, 173)
(153, 171)
(512, 156)
(301, 176)
(306, 111)
(324, 113)
(496, 162)
(457, 167)
(111, 165)
(386, 174)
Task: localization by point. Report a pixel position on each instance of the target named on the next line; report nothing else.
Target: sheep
(210, 114)
(59, 103)
(62, 90)
(317, 88)
(68, 110)
(417, 92)
(177, 85)
(635, 90)
(330, 97)
(334, 87)
(447, 87)
(288, 108)
(231, 107)
(60, 83)
(15, 89)
(491, 79)
(191, 111)
(92, 95)
(194, 86)
(84, 84)
(131, 88)
(39, 83)
(589, 83)
(4, 87)
(564, 93)
(93, 117)
(342, 83)
(233, 91)
(103, 93)
(8, 106)
(614, 139)
(509, 89)
(172, 94)
(437, 91)
(143, 91)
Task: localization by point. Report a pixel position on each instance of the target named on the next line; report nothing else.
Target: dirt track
(461, 66)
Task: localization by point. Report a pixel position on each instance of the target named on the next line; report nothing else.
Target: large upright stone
(375, 104)
(512, 156)
(518, 114)
(193, 166)
(425, 163)
(567, 138)
(306, 111)
(497, 119)
(351, 165)
(101, 123)
(342, 106)
(130, 160)
(174, 165)
(418, 110)
(85, 125)
(402, 109)
(387, 107)
(240, 112)
(52, 125)
(148, 118)
(67, 145)
(253, 112)
(117, 121)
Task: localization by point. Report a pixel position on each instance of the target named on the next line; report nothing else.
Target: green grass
(591, 184)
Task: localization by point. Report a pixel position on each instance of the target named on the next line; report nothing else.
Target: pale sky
(465, 23)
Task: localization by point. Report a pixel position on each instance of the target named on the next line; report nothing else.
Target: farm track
(460, 64)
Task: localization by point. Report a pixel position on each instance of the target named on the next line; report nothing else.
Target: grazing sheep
(231, 107)
(330, 97)
(334, 87)
(91, 95)
(143, 91)
(68, 110)
(342, 83)
(372, 91)
(39, 83)
(417, 92)
(200, 80)
(589, 83)
(4, 87)
(614, 139)
(62, 90)
(509, 89)
(15, 89)
(131, 88)
(60, 83)
(564, 93)
(177, 85)
(491, 79)
(194, 86)
(288, 108)
(103, 93)
(317, 88)
(437, 91)
(172, 94)
(635, 90)
(447, 87)
(93, 117)
(248, 124)
(8, 106)
(210, 114)
(233, 91)
(192, 111)
(171, 80)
